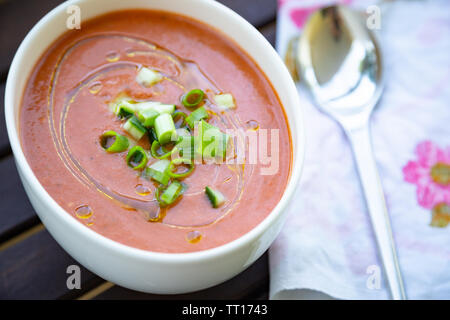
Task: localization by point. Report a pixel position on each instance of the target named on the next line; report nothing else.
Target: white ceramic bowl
(126, 266)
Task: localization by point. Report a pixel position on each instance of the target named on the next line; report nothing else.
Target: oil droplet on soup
(194, 236)
(142, 190)
(95, 87)
(130, 52)
(156, 215)
(112, 56)
(84, 212)
(252, 125)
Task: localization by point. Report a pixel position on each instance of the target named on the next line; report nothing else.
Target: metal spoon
(340, 63)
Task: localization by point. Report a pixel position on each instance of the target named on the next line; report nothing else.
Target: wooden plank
(4, 143)
(17, 214)
(36, 268)
(17, 17)
(257, 12)
(253, 283)
(269, 32)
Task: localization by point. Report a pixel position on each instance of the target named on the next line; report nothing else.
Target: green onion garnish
(134, 128)
(113, 142)
(147, 117)
(169, 194)
(197, 115)
(216, 197)
(182, 115)
(158, 171)
(213, 143)
(148, 77)
(193, 98)
(224, 101)
(154, 151)
(137, 158)
(156, 106)
(179, 161)
(124, 109)
(165, 128)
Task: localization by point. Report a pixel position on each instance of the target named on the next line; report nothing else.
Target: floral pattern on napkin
(431, 174)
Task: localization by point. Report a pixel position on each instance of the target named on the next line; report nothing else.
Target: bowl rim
(126, 250)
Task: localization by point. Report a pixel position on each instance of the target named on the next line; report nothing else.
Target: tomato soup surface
(67, 107)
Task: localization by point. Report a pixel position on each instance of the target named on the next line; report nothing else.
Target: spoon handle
(373, 191)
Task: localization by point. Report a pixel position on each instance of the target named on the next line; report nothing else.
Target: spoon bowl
(340, 63)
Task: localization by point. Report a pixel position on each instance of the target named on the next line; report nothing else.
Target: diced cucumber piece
(224, 101)
(148, 77)
(216, 197)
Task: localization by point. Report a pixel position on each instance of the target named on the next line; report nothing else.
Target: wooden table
(32, 264)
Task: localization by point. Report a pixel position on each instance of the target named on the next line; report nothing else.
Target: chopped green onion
(165, 108)
(170, 194)
(158, 171)
(156, 106)
(197, 115)
(148, 77)
(179, 114)
(124, 109)
(179, 161)
(139, 106)
(137, 158)
(216, 197)
(165, 128)
(152, 135)
(193, 98)
(211, 142)
(147, 117)
(134, 128)
(224, 101)
(154, 151)
(113, 142)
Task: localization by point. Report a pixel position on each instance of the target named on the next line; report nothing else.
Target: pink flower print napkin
(327, 247)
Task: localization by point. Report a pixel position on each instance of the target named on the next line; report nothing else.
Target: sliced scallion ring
(193, 98)
(113, 142)
(196, 115)
(179, 161)
(179, 114)
(154, 151)
(137, 158)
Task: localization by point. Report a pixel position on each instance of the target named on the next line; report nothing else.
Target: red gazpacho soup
(140, 126)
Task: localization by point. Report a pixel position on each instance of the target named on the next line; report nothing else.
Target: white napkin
(327, 247)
